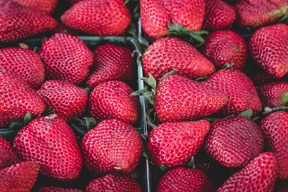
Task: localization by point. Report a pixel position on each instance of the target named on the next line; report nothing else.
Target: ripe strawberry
(57, 189)
(257, 13)
(225, 141)
(268, 49)
(112, 146)
(98, 17)
(18, 22)
(114, 182)
(25, 63)
(174, 143)
(225, 47)
(218, 15)
(44, 6)
(20, 177)
(51, 143)
(240, 90)
(8, 156)
(275, 130)
(68, 100)
(17, 99)
(112, 62)
(66, 57)
(259, 175)
(181, 99)
(169, 53)
(112, 100)
(185, 179)
(155, 15)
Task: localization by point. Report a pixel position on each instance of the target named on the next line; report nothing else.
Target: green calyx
(284, 99)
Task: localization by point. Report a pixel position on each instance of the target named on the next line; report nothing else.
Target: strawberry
(57, 189)
(156, 14)
(225, 141)
(25, 63)
(51, 143)
(112, 100)
(112, 62)
(98, 17)
(18, 22)
(218, 15)
(174, 143)
(185, 179)
(45, 6)
(259, 76)
(8, 156)
(268, 49)
(170, 53)
(259, 175)
(240, 90)
(181, 99)
(17, 99)
(20, 177)
(68, 100)
(66, 57)
(275, 130)
(225, 47)
(114, 182)
(112, 146)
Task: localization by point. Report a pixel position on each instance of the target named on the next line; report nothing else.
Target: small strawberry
(45, 6)
(112, 146)
(275, 130)
(8, 156)
(66, 57)
(259, 175)
(51, 143)
(57, 189)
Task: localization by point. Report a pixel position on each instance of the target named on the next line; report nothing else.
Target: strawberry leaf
(248, 113)
(28, 118)
(168, 74)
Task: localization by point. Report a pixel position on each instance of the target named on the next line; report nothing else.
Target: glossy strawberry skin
(51, 143)
(181, 99)
(45, 6)
(112, 146)
(275, 130)
(58, 189)
(8, 156)
(174, 143)
(268, 47)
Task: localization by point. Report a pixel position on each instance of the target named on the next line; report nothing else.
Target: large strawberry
(18, 22)
(98, 17)
(25, 63)
(181, 99)
(268, 47)
(169, 53)
(275, 130)
(112, 146)
(156, 14)
(51, 143)
(8, 156)
(112, 62)
(45, 6)
(66, 57)
(58, 189)
(259, 175)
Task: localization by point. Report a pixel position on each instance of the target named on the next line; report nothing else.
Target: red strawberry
(112, 100)
(66, 57)
(51, 143)
(240, 90)
(268, 47)
(156, 14)
(17, 99)
(20, 177)
(174, 143)
(185, 179)
(225, 141)
(68, 100)
(225, 47)
(112, 146)
(23, 62)
(181, 99)
(112, 62)
(169, 53)
(57, 189)
(259, 175)
(115, 183)
(8, 156)
(18, 22)
(98, 17)
(45, 6)
(275, 130)
(218, 15)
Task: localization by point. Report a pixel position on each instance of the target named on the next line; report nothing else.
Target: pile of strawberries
(216, 94)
